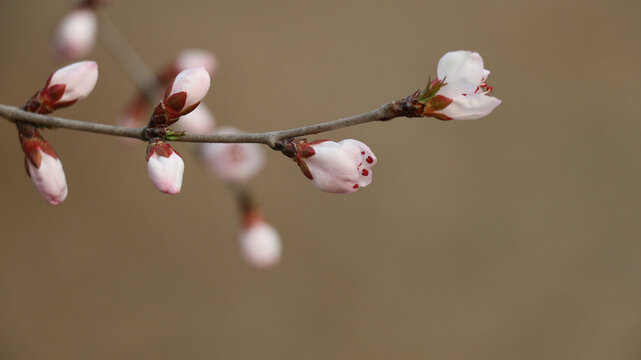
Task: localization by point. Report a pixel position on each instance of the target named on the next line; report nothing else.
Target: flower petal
(462, 71)
(471, 107)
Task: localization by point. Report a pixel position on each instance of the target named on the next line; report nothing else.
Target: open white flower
(336, 167)
(465, 84)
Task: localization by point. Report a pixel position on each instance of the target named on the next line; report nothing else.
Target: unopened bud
(259, 241)
(165, 167)
(193, 58)
(43, 165)
(64, 87)
(186, 91)
(233, 162)
(76, 34)
(199, 121)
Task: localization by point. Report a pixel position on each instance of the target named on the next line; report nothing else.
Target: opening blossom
(165, 167)
(461, 91)
(336, 167)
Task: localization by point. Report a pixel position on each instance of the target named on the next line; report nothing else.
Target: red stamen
(365, 172)
(369, 160)
(355, 186)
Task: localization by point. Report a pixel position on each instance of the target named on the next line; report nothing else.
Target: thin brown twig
(271, 138)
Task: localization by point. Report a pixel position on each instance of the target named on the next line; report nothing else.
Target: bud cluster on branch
(459, 92)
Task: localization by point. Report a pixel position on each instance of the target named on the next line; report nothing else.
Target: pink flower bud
(232, 162)
(76, 34)
(465, 84)
(199, 121)
(193, 58)
(42, 164)
(260, 243)
(49, 178)
(186, 91)
(71, 83)
(165, 167)
(341, 167)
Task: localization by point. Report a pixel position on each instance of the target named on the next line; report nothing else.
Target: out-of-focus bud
(260, 243)
(134, 115)
(233, 162)
(199, 121)
(76, 34)
(64, 87)
(43, 165)
(186, 91)
(165, 167)
(93, 3)
(335, 167)
(193, 58)
(461, 91)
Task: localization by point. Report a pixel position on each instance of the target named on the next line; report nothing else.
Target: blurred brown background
(512, 237)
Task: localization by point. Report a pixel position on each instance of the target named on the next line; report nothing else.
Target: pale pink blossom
(48, 177)
(165, 167)
(78, 80)
(193, 58)
(336, 167)
(199, 121)
(466, 84)
(260, 244)
(233, 162)
(187, 90)
(76, 34)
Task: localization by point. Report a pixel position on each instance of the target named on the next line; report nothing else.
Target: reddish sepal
(176, 101)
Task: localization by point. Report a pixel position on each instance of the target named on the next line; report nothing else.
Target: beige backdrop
(512, 237)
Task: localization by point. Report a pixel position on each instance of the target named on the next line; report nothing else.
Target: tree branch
(271, 138)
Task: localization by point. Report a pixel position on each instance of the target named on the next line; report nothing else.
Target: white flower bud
(233, 162)
(188, 88)
(199, 121)
(260, 244)
(78, 79)
(76, 34)
(49, 178)
(193, 58)
(165, 167)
